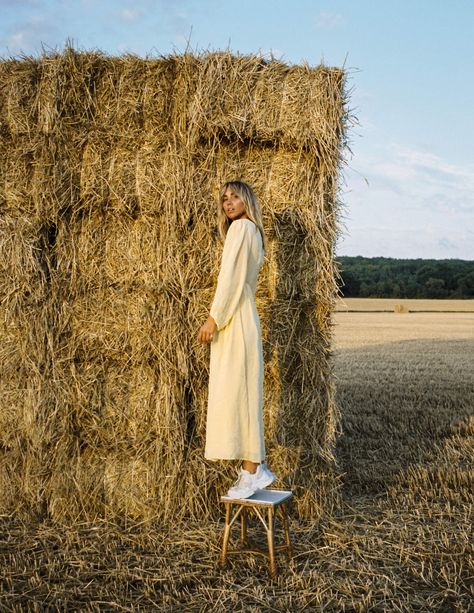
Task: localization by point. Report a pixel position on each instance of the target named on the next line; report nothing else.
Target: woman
(234, 415)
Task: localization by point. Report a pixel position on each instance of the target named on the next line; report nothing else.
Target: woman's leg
(251, 467)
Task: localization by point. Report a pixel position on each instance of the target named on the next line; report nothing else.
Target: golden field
(412, 304)
(353, 330)
(400, 541)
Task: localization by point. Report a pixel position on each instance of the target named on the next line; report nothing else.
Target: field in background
(357, 329)
(402, 540)
(412, 304)
(406, 391)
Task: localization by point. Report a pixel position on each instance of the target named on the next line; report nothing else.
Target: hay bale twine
(108, 262)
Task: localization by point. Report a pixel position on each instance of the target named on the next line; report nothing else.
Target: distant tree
(465, 286)
(411, 287)
(435, 288)
(425, 273)
(391, 277)
(364, 290)
(351, 284)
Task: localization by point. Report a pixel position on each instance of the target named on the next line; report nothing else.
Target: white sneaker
(244, 487)
(263, 476)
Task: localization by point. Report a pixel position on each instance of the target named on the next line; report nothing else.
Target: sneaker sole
(263, 483)
(239, 495)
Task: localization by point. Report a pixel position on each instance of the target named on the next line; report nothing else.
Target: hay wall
(108, 262)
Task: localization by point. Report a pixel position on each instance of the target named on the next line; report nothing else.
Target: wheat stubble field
(401, 540)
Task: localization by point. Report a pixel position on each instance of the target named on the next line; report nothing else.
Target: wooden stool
(262, 503)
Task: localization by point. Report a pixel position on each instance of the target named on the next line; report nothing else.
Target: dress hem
(249, 457)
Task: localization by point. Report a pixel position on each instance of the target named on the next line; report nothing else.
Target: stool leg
(243, 527)
(225, 541)
(284, 519)
(271, 543)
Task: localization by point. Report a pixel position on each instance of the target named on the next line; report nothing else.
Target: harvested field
(403, 384)
(412, 304)
(401, 539)
(392, 328)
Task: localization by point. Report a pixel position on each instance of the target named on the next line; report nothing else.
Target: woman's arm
(233, 273)
(231, 280)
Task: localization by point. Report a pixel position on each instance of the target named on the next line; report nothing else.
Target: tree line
(396, 278)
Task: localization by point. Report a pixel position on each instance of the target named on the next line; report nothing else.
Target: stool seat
(266, 505)
(261, 498)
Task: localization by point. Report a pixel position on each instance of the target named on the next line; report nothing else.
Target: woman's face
(233, 206)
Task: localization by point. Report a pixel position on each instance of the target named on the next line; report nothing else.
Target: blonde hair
(251, 204)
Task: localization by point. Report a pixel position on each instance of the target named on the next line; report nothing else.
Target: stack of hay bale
(108, 262)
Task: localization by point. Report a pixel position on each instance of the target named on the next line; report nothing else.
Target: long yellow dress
(235, 401)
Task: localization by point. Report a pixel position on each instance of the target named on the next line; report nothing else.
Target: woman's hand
(207, 330)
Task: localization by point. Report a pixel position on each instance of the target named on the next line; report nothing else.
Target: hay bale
(19, 81)
(109, 257)
(401, 308)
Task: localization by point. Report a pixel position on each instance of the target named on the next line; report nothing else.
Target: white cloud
(28, 35)
(130, 14)
(327, 20)
(447, 244)
(273, 52)
(426, 180)
(416, 204)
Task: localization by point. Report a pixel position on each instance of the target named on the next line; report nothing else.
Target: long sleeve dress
(235, 400)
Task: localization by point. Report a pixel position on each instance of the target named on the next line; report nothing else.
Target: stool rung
(259, 550)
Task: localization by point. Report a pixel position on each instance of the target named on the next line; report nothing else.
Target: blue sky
(409, 184)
